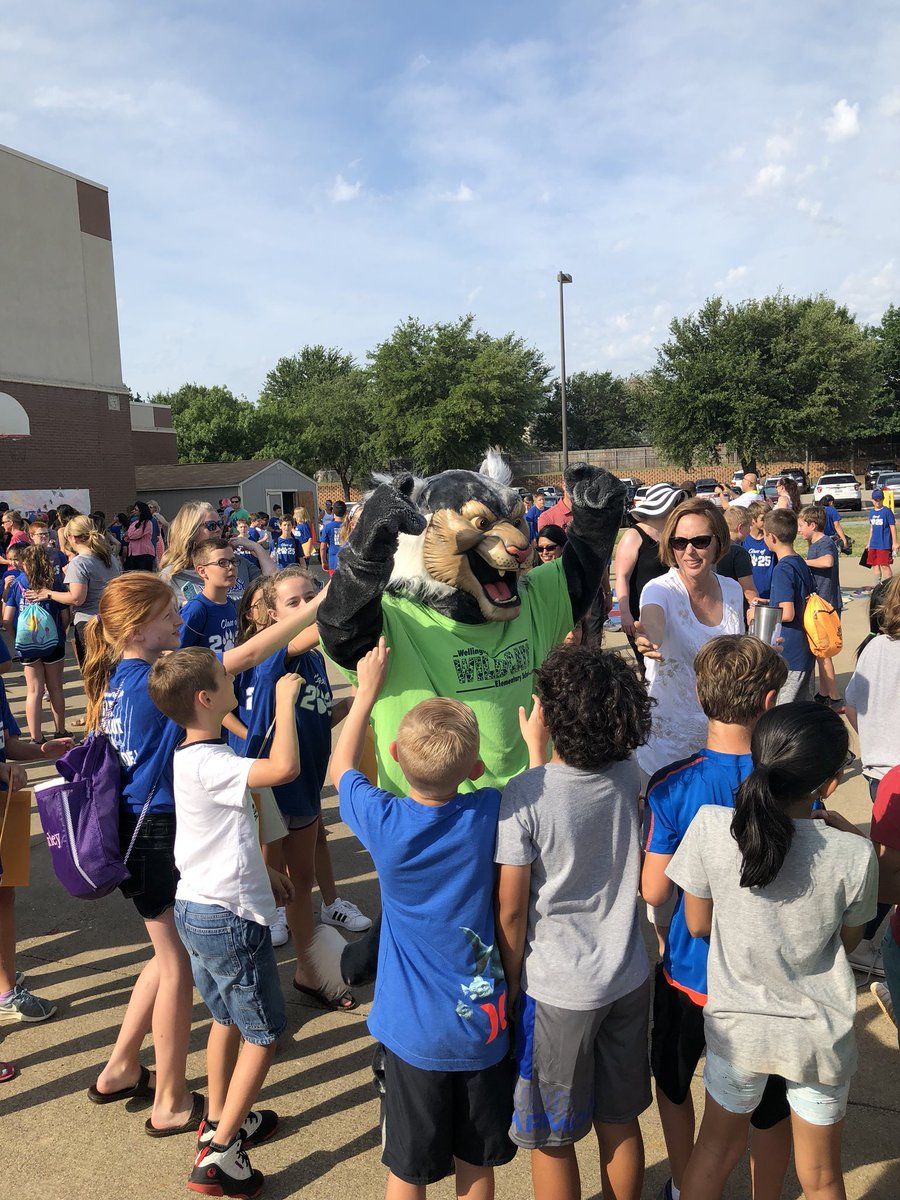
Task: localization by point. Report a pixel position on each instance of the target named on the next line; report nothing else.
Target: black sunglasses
(701, 542)
(211, 525)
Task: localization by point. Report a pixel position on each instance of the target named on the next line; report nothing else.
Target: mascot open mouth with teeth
(444, 569)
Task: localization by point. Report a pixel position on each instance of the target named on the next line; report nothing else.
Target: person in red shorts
(882, 544)
(885, 833)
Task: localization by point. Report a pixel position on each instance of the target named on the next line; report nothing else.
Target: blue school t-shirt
(15, 599)
(205, 623)
(832, 516)
(144, 739)
(301, 797)
(881, 520)
(825, 580)
(255, 534)
(531, 520)
(330, 534)
(762, 560)
(8, 725)
(792, 581)
(302, 532)
(440, 993)
(287, 551)
(674, 796)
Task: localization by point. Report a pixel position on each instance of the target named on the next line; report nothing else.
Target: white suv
(843, 487)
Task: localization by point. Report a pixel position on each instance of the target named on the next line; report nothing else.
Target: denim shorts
(153, 877)
(741, 1091)
(234, 970)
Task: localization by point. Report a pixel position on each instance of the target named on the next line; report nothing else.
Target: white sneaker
(867, 959)
(883, 999)
(280, 932)
(345, 915)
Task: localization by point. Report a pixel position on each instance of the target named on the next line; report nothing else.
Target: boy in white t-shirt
(225, 903)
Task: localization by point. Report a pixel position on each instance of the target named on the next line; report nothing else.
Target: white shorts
(741, 1091)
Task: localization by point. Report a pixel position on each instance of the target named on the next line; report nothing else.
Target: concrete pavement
(85, 956)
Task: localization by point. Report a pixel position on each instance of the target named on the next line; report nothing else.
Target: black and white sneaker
(225, 1171)
(345, 915)
(258, 1127)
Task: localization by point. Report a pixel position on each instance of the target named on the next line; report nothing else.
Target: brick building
(65, 413)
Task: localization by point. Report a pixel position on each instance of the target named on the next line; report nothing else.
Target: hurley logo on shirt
(481, 670)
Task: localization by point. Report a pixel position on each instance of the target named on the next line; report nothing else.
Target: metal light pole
(562, 278)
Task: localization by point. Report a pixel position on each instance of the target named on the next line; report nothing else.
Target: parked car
(874, 469)
(889, 479)
(706, 490)
(800, 475)
(769, 490)
(737, 479)
(843, 487)
(551, 493)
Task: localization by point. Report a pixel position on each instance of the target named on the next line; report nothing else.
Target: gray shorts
(575, 1068)
(799, 686)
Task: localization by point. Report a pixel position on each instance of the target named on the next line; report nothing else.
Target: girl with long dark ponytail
(796, 749)
(783, 898)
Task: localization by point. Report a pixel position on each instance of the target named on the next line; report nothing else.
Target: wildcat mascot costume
(443, 569)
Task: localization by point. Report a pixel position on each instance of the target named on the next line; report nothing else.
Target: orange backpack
(822, 626)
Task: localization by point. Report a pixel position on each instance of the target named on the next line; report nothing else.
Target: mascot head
(475, 548)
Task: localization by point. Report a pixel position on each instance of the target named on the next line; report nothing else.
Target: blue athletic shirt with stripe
(144, 739)
(674, 797)
(205, 623)
(256, 708)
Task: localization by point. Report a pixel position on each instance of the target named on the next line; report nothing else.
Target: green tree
(442, 394)
(315, 411)
(599, 412)
(775, 372)
(884, 415)
(211, 423)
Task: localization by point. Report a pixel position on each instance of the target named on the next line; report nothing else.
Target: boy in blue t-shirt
(792, 586)
(331, 544)
(440, 1001)
(287, 549)
(762, 560)
(882, 544)
(822, 560)
(210, 619)
(738, 679)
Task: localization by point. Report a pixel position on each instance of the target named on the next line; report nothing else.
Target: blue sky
(290, 172)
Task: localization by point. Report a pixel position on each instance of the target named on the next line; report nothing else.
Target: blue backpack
(35, 629)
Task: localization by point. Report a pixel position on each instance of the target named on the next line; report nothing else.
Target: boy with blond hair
(440, 1001)
(736, 563)
(225, 904)
(738, 679)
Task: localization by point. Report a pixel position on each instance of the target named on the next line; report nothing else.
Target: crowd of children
(514, 991)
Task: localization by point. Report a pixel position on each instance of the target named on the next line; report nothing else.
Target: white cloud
(843, 122)
(735, 274)
(868, 295)
(342, 190)
(779, 146)
(462, 195)
(86, 100)
(810, 207)
(889, 105)
(769, 177)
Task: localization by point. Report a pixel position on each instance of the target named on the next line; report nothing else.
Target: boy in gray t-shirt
(568, 846)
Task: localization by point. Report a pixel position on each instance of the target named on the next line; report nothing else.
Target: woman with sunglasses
(195, 523)
(550, 542)
(680, 612)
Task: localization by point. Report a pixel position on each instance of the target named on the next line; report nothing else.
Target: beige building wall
(59, 323)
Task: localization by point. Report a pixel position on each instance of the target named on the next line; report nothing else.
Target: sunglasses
(700, 543)
(211, 525)
(548, 549)
(225, 564)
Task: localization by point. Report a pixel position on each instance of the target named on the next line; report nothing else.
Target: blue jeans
(234, 969)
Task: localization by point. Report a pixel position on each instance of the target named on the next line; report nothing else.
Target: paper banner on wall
(29, 500)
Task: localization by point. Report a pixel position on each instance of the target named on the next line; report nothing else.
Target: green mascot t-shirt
(487, 666)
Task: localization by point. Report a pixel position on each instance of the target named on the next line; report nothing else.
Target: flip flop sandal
(333, 1004)
(8, 1071)
(191, 1125)
(141, 1088)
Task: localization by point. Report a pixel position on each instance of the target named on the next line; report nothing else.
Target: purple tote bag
(80, 816)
